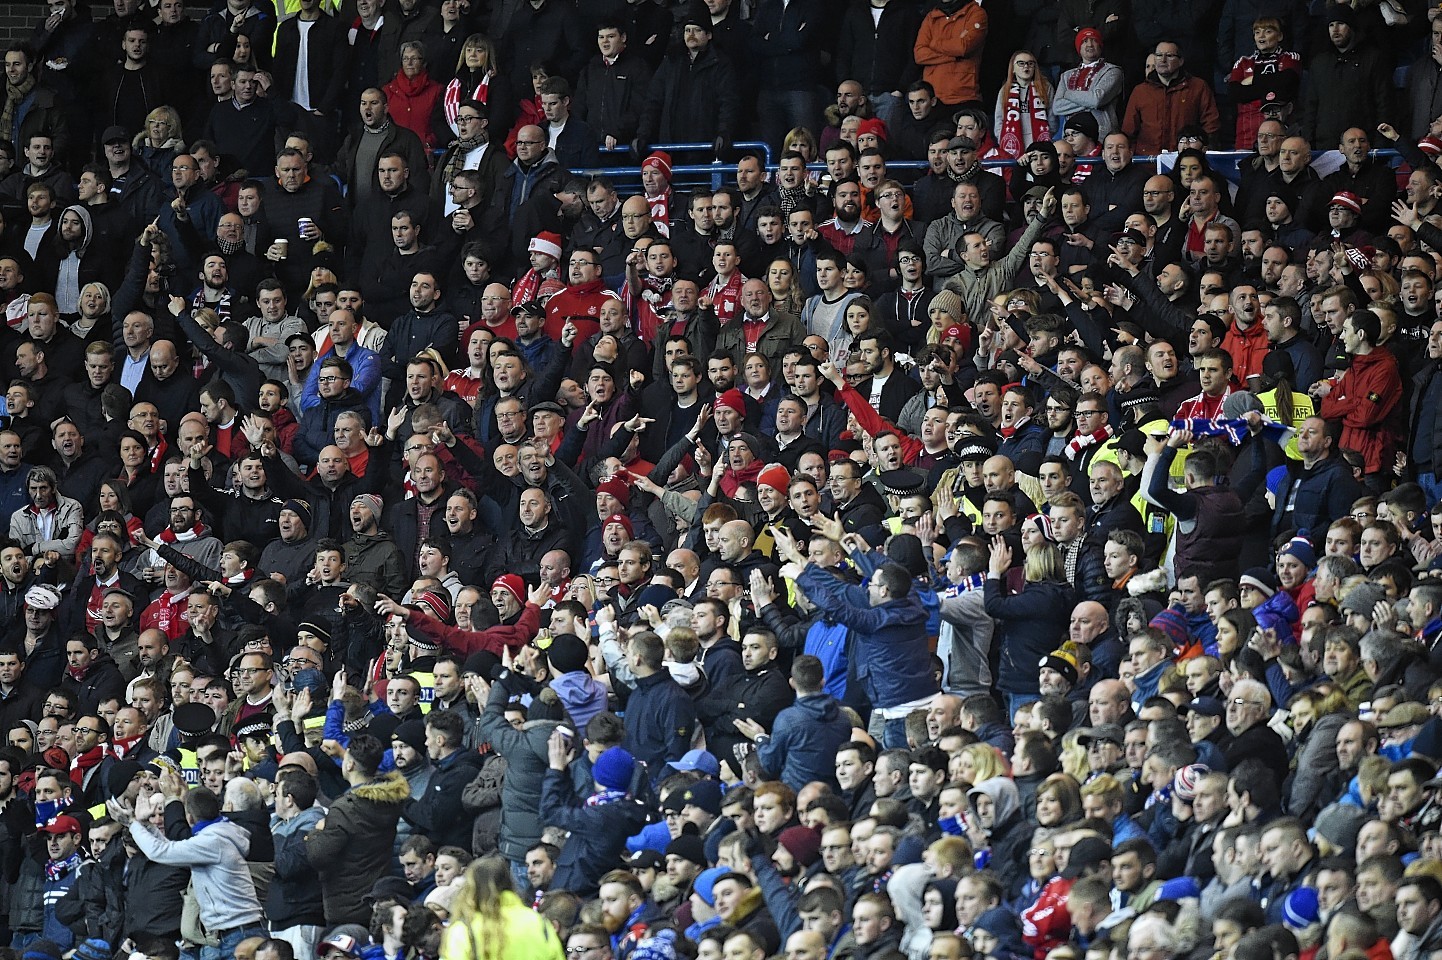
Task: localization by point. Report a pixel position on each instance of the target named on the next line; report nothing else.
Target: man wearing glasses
(251, 679)
(471, 151)
(1247, 711)
(588, 942)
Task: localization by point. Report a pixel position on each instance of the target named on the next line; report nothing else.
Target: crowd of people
(438, 527)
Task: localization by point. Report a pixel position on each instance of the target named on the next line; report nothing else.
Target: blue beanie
(613, 769)
(1302, 549)
(706, 881)
(1300, 909)
(93, 949)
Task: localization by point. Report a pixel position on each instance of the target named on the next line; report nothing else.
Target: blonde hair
(168, 114)
(478, 906)
(1042, 563)
(986, 762)
(481, 42)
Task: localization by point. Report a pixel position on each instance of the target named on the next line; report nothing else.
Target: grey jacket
(977, 287)
(964, 644)
(69, 521)
(945, 234)
(220, 877)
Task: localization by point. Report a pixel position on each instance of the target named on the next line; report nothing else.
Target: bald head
(496, 290)
(735, 540)
(1108, 702)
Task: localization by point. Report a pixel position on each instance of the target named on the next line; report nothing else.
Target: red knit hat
(803, 843)
(512, 584)
(617, 488)
(659, 159)
(623, 520)
(775, 476)
(1085, 32)
(734, 399)
(873, 125)
(1348, 200)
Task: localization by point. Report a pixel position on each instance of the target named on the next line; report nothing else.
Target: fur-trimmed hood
(391, 788)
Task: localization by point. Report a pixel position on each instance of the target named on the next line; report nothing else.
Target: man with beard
(470, 540)
(756, 697)
(371, 554)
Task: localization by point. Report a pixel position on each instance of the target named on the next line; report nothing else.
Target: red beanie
(617, 488)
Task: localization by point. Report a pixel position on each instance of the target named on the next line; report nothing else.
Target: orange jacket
(949, 52)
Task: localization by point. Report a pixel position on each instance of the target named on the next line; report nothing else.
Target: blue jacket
(13, 495)
(598, 833)
(1028, 627)
(804, 741)
(365, 365)
(582, 695)
(660, 721)
(888, 642)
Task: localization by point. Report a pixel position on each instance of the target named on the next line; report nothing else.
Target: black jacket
(438, 813)
(878, 53)
(610, 97)
(756, 695)
(326, 51)
(691, 101)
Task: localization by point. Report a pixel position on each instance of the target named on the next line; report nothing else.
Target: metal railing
(718, 172)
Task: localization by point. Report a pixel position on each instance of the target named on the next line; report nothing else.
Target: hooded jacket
(526, 757)
(1009, 834)
(215, 853)
(1364, 399)
(294, 896)
(804, 740)
(582, 695)
(353, 850)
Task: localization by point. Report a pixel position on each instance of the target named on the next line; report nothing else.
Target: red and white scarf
(1081, 77)
(1013, 129)
(660, 207)
(452, 97)
(1082, 441)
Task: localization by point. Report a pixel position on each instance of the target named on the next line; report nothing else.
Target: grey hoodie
(215, 855)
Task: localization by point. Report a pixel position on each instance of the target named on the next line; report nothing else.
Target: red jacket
(1364, 399)
(1046, 924)
(1248, 348)
(492, 640)
(1157, 112)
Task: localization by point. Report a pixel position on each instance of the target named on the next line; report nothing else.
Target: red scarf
(170, 536)
(120, 749)
(92, 606)
(86, 761)
(732, 479)
(1081, 77)
(660, 208)
(451, 98)
(157, 455)
(725, 296)
(1012, 129)
(168, 614)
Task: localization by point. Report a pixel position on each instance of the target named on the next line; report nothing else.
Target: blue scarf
(47, 810)
(58, 869)
(602, 797)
